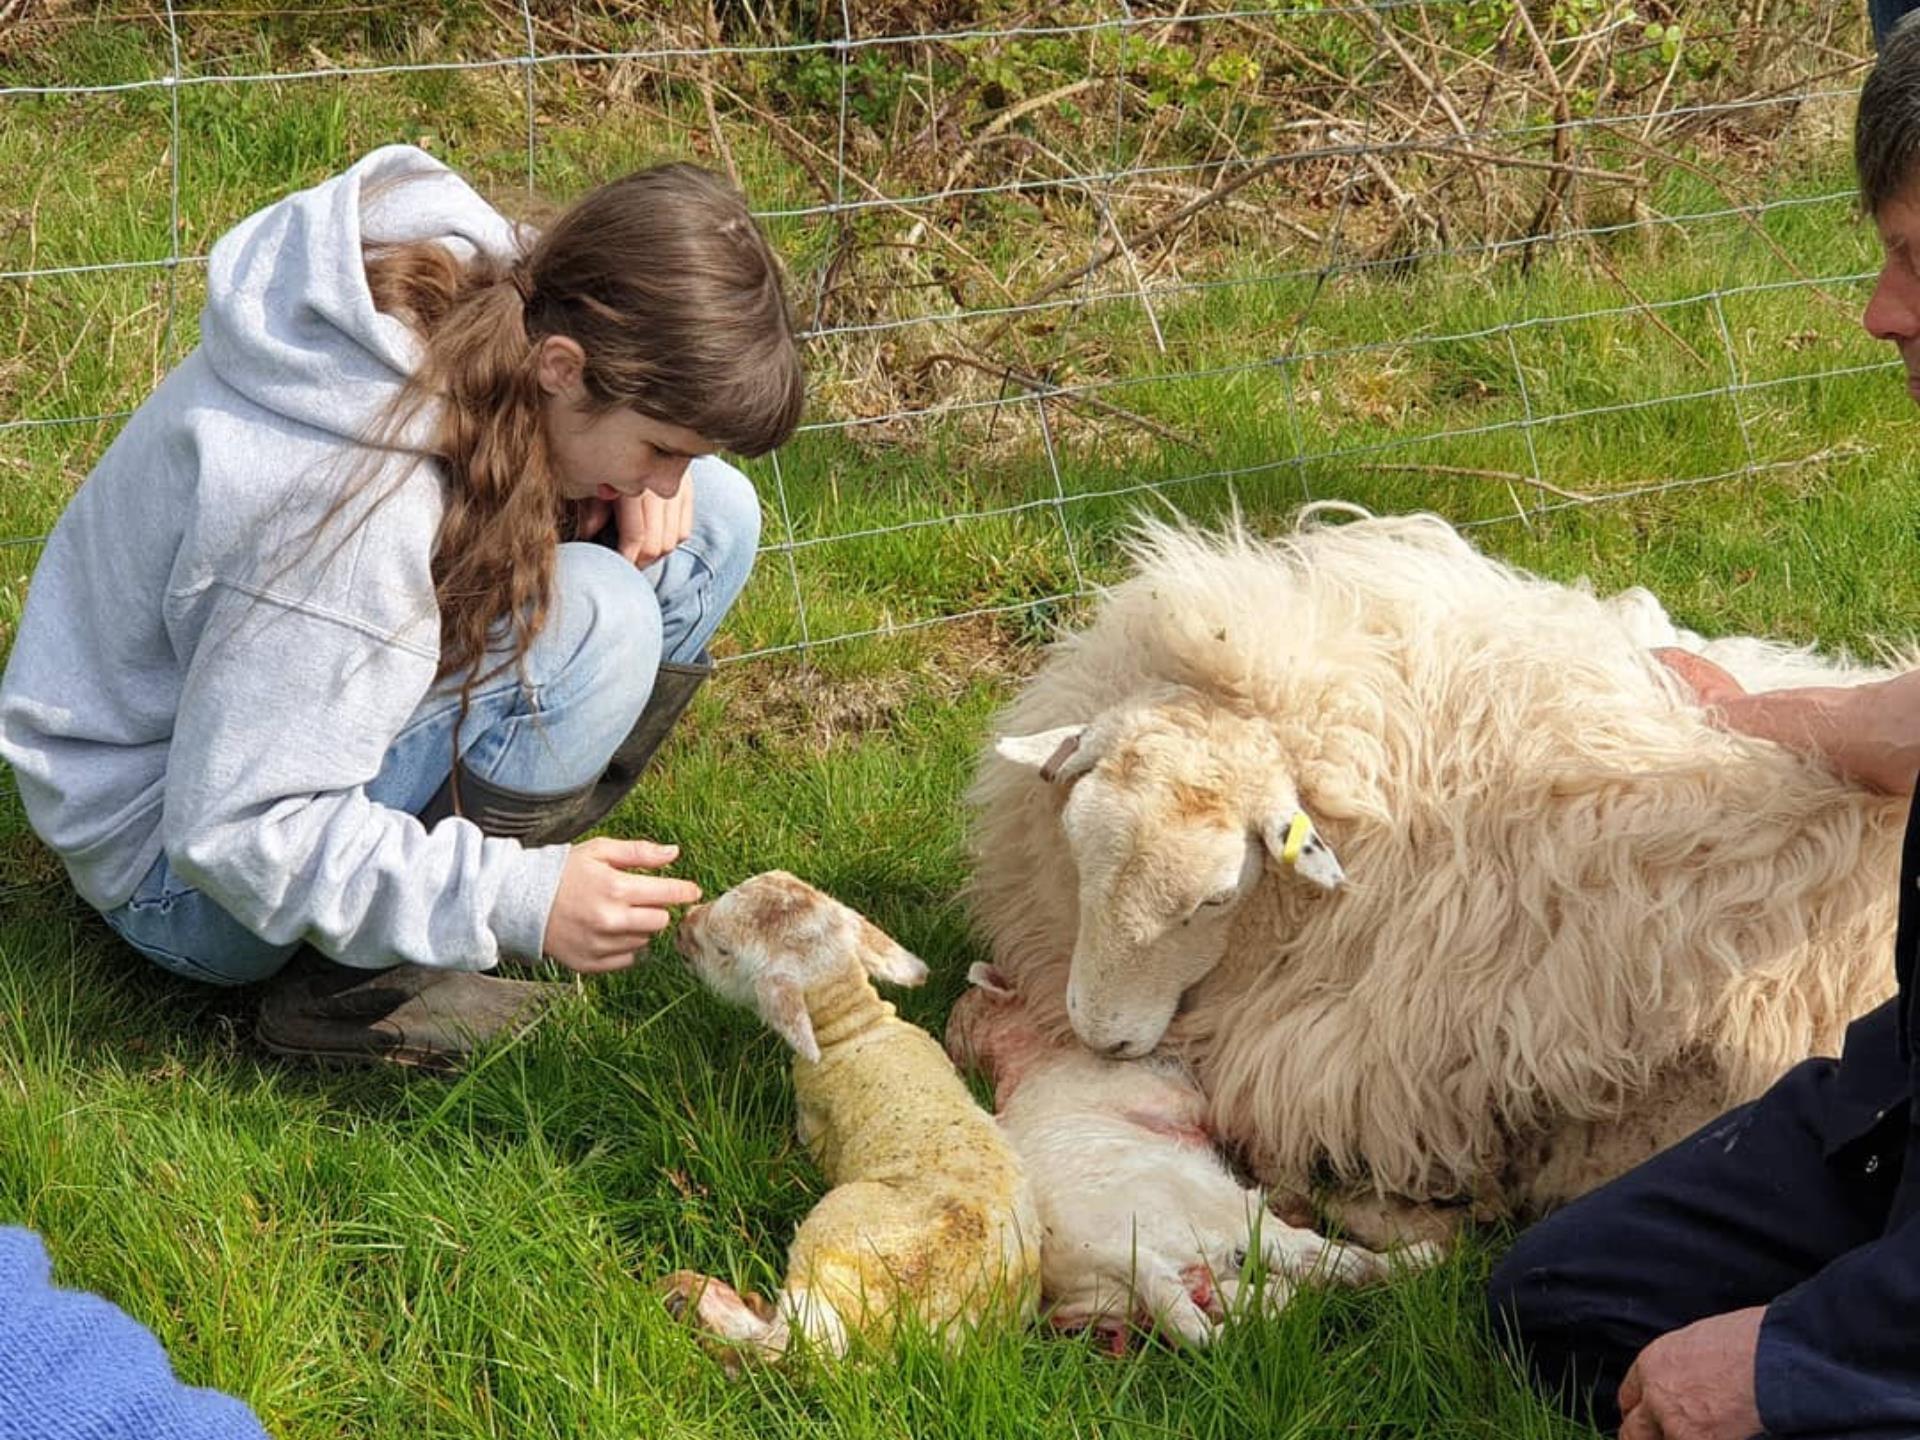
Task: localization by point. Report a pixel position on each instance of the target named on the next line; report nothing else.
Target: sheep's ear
(1057, 754)
(887, 959)
(1294, 843)
(781, 1003)
(990, 980)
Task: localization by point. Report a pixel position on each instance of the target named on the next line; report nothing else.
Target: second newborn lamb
(1142, 1223)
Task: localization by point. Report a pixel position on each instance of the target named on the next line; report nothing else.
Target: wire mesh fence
(1054, 262)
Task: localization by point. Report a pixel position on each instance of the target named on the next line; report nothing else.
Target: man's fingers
(1639, 1424)
(1708, 680)
(1631, 1388)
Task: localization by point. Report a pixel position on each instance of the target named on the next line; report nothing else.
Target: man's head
(1886, 157)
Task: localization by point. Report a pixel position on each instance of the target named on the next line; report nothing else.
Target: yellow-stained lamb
(930, 1214)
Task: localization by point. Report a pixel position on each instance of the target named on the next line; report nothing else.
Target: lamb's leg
(722, 1313)
(816, 1318)
(1384, 1222)
(1167, 1295)
(1301, 1254)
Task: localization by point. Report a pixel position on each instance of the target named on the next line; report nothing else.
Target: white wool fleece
(195, 674)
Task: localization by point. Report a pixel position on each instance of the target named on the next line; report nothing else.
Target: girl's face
(617, 452)
(613, 453)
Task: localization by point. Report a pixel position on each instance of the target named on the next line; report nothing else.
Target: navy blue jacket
(1845, 1344)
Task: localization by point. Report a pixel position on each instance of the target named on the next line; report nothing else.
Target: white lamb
(1577, 919)
(1142, 1222)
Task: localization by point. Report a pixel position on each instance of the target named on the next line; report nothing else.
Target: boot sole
(345, 1059)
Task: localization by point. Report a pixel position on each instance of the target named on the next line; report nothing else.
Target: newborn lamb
(930, 1211)
(1142, 1222)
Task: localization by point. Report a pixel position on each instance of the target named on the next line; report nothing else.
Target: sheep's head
(1173, 809)
(770, 939)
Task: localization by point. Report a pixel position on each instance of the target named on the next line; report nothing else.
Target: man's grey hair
(1886, 130)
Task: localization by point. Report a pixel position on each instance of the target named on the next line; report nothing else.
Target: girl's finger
(632, 854)
(658, 892)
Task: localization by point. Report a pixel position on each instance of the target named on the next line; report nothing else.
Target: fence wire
(1398, 118)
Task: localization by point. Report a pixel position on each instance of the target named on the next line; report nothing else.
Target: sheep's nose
(1118, 1049)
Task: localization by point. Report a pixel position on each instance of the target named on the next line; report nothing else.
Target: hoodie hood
(292, 325)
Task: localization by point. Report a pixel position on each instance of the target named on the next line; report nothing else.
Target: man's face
(1893, 313)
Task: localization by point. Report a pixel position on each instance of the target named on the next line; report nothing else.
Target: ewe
(930, 1213)
(1576, 919)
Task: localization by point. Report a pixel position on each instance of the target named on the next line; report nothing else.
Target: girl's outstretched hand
(603, 914)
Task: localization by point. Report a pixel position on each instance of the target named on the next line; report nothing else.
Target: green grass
(393, 1256)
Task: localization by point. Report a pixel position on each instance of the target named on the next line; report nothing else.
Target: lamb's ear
(885, 958)
(991, 981)
(1057, 754)
(781, 1003)
(1293, 842)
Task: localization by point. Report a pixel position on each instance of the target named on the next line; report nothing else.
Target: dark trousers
(1804, 1201)
(1884, 15)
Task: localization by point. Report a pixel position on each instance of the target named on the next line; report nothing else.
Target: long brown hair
(675, 297)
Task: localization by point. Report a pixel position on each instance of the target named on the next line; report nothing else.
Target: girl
(306, 660)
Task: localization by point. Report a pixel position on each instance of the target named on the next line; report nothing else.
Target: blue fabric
(75, 1367)
(1807, 1201)
(1885, 14)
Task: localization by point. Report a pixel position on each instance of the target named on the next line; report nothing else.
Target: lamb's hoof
(1385, 1223)
(1292, 1208)
(680, 1292)
(1420, 1255)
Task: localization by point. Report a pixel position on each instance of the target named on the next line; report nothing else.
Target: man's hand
(1696, 1383)
(1714, 686)
(1866, 732)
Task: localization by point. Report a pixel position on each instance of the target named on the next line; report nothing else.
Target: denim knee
(726, 533)
(604, 636)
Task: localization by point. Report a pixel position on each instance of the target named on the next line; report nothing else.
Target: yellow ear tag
(1297, 834)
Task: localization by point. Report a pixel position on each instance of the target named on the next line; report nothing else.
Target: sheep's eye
(1211, 904)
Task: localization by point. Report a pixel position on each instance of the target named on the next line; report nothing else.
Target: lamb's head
(992, 1030)
(1173, 807)
(770, 939)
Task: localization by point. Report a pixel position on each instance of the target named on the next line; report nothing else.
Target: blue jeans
(588, 676)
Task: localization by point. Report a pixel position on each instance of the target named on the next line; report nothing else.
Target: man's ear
(1059, 755)
(1293, 843)
(780, 1002)
(885, 958)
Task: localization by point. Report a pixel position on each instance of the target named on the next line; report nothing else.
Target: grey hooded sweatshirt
(197, 673)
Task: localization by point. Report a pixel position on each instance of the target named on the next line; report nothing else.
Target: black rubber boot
(673, 690)
(555, 819)
(407, 1015)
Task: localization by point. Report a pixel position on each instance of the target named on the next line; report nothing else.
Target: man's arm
(1836, 1354)
(1869, 733)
